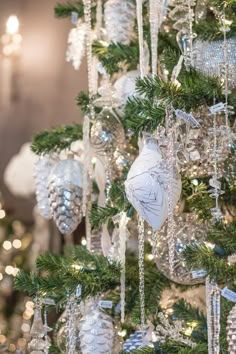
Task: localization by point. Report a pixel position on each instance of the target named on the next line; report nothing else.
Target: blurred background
(37, 91)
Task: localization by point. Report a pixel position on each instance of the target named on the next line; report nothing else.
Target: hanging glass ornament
(231, 331)
(65, 194)
(136, 341)
(213, 296)
(96, 331)
(60, 332)
(188, 230)
(146, 185)
(38, 345)
(76, 45)
(208, 55)
(107, 134)
(42, 169)
(119, 14)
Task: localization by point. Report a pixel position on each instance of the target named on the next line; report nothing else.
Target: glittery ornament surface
(135, 341)
(107, 133)
(208, 56)
(125, 86)
(76, 45)
(42, 169)
(188, 230)
(96, 331)
(231, 331)
(146, 185)
(65, 194)
(119, 20)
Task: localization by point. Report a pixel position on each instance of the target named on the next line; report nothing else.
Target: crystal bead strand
(213, 316)
(154, 243)
(70, 329)
(231, 331)
(154, 5)
(139, 8)
(123, 239)
(141, 269)
(170, 169)
(47, 329)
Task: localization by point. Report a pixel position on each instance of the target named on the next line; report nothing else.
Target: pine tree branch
(224, 236)
(64, 10)
(56, 139)
(209, 30)
(102, 215)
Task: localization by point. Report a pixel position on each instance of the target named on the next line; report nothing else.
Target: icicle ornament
(65, 194)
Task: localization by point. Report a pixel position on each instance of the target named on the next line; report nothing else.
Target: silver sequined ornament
(136, 341)
(96, 331)
(107, 133)
(188, 230)
(42, 169)
(208, 56)
(119, 20)
(231, 331)
(65, 194)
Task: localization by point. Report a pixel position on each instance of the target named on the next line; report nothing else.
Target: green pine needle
(56, 139)
(65, 10)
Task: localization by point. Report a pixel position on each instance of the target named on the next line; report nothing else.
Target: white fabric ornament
(76, 45)
(65, 194)
(231, 331)
(18, 176)
(42, 169)
(119, 20)
(125, 86)
(96, 331)
(146, 185)
(208, 56)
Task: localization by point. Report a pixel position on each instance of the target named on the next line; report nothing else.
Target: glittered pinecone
(231, 331)
(119, 14)
(42, 169)
(96, 331)
(65, 194)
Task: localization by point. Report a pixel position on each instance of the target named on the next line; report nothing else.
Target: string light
(7, 245)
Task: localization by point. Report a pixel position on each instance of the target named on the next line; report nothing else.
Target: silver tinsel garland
(231, 331)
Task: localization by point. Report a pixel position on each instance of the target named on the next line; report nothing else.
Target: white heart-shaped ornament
(146, 185)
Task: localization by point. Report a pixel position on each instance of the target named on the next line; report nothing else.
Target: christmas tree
(154, 184)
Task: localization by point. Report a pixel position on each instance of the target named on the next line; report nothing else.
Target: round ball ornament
(65, 194)
(146, 185)
(188, 230)
(208, 56)
(107, 133)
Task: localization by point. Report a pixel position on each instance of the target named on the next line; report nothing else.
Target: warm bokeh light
(1, 276)
(12, 348)
(25, 327)
(9, 270)
(7, 245)
(17, 243)
(2, 214)
(12, 25)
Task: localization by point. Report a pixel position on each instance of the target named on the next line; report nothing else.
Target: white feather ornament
(146, 185)
(76, 45)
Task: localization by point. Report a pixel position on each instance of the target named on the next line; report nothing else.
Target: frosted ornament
(146, 185)
(107, 133)
(136, 341)
(76, 45)
(96, 331)
(65, 194)
(231, 331)
(42, 169)
(208, 56)
(125, 86)
(188, 230)
(119, 16)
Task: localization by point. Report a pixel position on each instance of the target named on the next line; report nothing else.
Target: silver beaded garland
(231, 331)
(65, 194)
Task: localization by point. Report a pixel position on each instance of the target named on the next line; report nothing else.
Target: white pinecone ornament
(76, 45)
(96, 331)
(65, 194)
(42, 169)
(120, 15)
(231, 331)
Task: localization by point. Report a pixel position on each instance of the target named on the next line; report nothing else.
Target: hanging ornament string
(141, 270)
(170, 170)
(139, 8)
(213, 316)
(123, 239)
